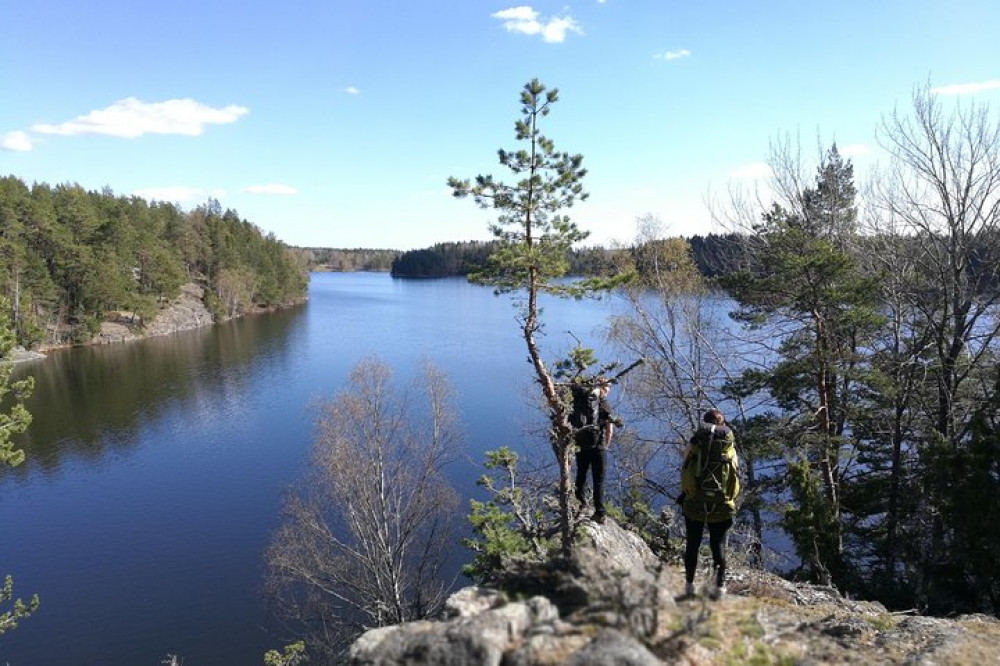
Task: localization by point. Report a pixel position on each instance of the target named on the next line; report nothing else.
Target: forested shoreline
(347, 260)
(69, 257)
(711, 253)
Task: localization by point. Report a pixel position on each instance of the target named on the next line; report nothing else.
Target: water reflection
(91, 401)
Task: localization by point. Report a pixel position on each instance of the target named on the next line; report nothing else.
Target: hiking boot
(689, 589)
(719, 593)
(598, 518)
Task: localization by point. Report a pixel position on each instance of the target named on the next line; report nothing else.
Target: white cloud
(854, 149)
(752, 171)
(673, 55)
(966, 88)
(16, 141)
(177, 194)
(351, 90)
(527, 21)
(522, 13)
(271, 188)
(130, 118)
(555, 30)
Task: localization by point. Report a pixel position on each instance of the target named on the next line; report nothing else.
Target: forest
(68, 256)
(348, 260)
(711, 254)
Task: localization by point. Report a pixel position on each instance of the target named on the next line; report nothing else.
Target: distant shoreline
(186, 313)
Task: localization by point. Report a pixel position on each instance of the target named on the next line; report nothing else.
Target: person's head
(714, 417)
(604, 386)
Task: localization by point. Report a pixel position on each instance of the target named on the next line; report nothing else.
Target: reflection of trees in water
(90, 400)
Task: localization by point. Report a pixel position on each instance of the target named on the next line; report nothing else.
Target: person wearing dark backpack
(594, 425)
(709, 488)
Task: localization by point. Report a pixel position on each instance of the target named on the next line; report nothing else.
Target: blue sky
(334, 123)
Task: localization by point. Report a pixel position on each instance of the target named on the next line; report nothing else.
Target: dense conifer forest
(69, 256)
(711, 254)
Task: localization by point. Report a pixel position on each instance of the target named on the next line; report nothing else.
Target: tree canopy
(68, 256)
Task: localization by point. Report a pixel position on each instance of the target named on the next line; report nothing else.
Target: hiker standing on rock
(594, 424)
(709, 485)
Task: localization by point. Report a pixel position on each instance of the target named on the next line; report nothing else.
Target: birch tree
(366, 534)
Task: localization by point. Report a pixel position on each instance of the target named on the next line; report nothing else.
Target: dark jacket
(592, 437)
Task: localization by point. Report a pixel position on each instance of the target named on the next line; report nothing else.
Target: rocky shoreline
(186, 312)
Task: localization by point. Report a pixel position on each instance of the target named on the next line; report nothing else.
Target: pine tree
(533, 239)
(12, 422)
(808, 287)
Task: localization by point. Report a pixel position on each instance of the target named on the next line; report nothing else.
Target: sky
(337, 123)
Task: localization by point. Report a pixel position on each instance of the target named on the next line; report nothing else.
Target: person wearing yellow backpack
(710, 485)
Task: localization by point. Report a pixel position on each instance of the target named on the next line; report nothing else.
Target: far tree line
(344, 260)
(69, 256)
(711, 253)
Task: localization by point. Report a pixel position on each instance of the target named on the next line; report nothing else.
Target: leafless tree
(366, 534)
(942, 196)
(935, 231)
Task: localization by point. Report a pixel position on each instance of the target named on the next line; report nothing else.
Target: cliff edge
(612, 602)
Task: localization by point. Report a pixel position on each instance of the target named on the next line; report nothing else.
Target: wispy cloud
(18, 142)
(672, 55)
(130, 118)
(966, 88)
(271, 188)
(351, 90)
(752, 171)
(177, 194)
(526, 20)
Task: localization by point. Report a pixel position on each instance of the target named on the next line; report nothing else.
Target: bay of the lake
(155, 469)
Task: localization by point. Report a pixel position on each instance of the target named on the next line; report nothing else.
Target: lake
(155, 469)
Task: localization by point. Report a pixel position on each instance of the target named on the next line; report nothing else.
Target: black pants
(594, 460)
(717, 533)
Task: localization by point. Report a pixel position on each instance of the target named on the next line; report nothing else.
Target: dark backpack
(585, 415)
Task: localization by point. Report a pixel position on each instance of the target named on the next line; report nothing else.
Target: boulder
(479, 639)
(610, 574)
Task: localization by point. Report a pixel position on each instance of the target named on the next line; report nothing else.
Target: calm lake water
(155, 469)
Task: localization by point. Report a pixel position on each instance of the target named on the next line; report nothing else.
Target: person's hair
(714, 416)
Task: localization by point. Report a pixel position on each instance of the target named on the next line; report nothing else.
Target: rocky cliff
(186, 312)
(611, 602)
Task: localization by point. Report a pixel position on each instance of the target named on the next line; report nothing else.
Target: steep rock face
(185, 313)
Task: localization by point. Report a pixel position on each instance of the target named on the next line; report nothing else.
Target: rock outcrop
(611, 602)
(20, 354)
(587, 609)
(185, 313)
